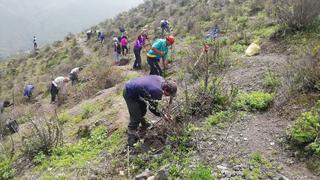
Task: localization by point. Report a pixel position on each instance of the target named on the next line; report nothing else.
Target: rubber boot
(144, 125)
(132, 137)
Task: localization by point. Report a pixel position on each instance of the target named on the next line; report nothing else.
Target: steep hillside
(235, 117)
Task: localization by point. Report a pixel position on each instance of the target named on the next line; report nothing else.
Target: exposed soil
(256, 132)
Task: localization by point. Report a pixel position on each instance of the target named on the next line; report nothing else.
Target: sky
(51, 20)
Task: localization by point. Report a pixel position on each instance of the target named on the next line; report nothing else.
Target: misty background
(51, 20)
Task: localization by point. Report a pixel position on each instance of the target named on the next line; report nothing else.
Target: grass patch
(220, 117)
(87, 110)
(271, 81)
(85, 150)
(64, 117)
(201, 172)
(131, 76)
(258, 163)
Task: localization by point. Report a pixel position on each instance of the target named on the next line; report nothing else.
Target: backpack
(124, 41)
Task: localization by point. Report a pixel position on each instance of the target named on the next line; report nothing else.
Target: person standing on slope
(137, 92)
(159, 49)
(124, 43)
(101, 37)
(116, 50)
(139, 43)
(165, 26)
(56, 85)
(35, 45)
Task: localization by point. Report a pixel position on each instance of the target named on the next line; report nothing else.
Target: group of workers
(139, 93)
(56, 84)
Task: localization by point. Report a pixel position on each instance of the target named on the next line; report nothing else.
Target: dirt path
(85, 49)
(256, 132)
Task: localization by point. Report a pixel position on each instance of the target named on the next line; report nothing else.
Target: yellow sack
(253, 49)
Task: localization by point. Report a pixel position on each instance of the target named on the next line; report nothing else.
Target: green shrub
(305, 129)
(86, 149)
(315, 147)
(6, 170)
(253, 101)
(201, 173)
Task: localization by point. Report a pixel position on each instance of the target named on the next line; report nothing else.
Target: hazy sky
(51, 20)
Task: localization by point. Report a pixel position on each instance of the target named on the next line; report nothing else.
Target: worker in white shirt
(57, 84)
(74, 75)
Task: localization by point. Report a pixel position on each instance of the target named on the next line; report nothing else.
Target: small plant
(201, 173)
(219, 117)
(315, 147)
(6, 170)
(39, 158)
(253, 101)
(271, 81)
(87, 111)
(258, 164)
(64, 117)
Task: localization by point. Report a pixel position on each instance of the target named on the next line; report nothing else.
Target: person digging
(137, 93)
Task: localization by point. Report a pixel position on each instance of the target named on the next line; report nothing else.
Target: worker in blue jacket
(136, 93)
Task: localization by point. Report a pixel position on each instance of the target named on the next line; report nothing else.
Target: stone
(283, 178)
(162, 174)
(238, 167)
(144, 175)
(151, 178)
(226, 173)
(221, 167)
(121, 173)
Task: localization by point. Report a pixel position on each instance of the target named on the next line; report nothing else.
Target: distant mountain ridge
(50, 20)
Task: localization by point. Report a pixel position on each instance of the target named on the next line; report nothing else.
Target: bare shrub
(302, 74)
(76, 53)
(105, 75)
(44, 135)
(296, 14)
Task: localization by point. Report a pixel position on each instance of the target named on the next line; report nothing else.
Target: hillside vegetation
(235, 117)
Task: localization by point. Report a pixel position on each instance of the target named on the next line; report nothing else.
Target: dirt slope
(255, 132)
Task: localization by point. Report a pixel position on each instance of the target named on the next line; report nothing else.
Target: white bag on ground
(253, 49)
